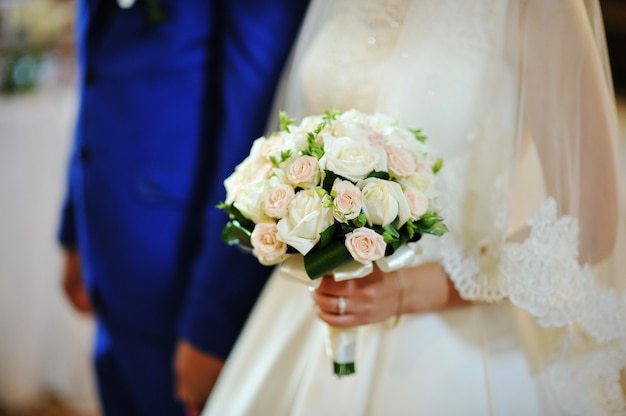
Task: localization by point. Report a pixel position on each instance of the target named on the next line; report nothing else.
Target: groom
(172, 93)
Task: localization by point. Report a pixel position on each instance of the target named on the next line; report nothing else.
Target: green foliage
(329, 180)
(360, 221)
(438, 165)
(379, 175)
(234, 233)
(390, 234)
(431, 223)
(239, 229)
(418, 135)
(285, 121)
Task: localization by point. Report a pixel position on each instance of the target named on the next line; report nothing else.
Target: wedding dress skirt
(465, 361)
(516, 97)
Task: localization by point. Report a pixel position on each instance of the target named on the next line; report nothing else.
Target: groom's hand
(196, 373)
(73, 282)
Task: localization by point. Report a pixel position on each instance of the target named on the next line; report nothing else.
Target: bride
(519, 309)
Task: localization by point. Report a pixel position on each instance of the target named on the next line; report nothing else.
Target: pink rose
(418, 202)
(376, 138)
(304, 171)
(266, 246)
(277, 199)
(401, 163)
(347, 199)
(365, 245)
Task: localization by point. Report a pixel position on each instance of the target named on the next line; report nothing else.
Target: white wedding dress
(516, 97)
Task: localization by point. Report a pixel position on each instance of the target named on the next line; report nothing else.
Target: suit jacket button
(90, 76)
(83, 154)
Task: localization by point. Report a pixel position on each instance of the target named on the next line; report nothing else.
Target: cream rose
(418, 202)
(277, 199)
(306, 218)
(267, 248)
(250, 201)
(401, 163)
(303, 171)
(365, 245)
(352, 159)
(384, 202)
(347, 200)
(418, 181)
(253, 168)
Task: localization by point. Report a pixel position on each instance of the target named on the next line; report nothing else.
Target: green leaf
(431, 223)
(391, 230)
(234, 233)
(360, 221)
(329, 180)
(330, 116)
(418, 135)
(379, 175)
(321, 261)
(327, 236)
(411, 228)
(438, 165)
(235, 214)
(285, 121)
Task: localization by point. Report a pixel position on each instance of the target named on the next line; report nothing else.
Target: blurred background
(44, 346)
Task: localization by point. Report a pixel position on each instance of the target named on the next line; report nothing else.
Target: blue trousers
(135, 374)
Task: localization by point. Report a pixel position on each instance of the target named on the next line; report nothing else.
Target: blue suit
(166, 112)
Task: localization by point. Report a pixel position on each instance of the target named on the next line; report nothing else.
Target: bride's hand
(368, 299)
(380, 295)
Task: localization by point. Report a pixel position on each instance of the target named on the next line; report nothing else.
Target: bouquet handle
(341, 349)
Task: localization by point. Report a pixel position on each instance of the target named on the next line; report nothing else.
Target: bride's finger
(339, 321)
(331, 304)
(329, 286)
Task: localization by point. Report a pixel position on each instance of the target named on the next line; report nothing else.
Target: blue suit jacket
(166, 112)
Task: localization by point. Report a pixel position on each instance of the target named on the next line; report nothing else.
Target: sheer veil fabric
(516, 96)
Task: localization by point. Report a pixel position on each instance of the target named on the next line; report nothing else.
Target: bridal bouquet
(334, 194)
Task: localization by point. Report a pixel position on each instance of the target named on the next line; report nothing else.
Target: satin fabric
(517, 99)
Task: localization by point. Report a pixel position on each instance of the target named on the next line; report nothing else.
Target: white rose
(266, 246)
(378, 121)
(352, 124)
(418, 202)
(384, 202)
(309, 123)
(303, 171)
(306, 218)
(365, 245)
(250, 201)
(401, 163)
(352, 159)
(253, 168)
(347, 200)
(277, 199)
(419, 181)
(405, 139)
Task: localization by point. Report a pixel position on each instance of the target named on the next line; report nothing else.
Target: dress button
(90, 76)
(83, 154)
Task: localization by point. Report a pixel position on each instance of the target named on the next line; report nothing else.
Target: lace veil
(517, 97)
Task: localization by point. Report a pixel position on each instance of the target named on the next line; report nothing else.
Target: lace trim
(542, 276)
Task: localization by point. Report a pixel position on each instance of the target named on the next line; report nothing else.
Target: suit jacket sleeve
(255, 43)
